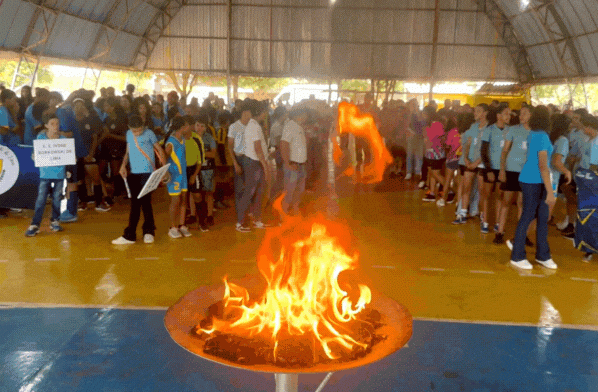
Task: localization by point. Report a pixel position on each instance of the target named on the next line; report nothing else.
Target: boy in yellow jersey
(177, 186)
(195, 152)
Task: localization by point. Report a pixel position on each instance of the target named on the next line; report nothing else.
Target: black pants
(136, 183)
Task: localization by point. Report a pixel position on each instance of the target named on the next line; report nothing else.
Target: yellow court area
(408, 250)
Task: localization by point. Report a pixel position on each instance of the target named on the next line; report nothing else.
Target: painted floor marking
(46, 259)
(147, 258)
(384, 266)
(507, 323)
(481, 272)
(584, 280)
(533, 275)
(432, 269)
(3, 261)
(30, 305)
(96, 258)
(189, 259)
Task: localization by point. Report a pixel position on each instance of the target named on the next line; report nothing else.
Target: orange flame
(301, 263)
(350, 120)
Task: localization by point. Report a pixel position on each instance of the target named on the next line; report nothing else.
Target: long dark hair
(430, 113)
(464, 122)
(540, 119)
(559, 127)
(149, 123)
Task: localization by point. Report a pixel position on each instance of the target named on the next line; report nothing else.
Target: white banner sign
(54, 152)
(153, 181)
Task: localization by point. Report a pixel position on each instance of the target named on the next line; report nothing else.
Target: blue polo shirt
(537, 141)
(10, 139)
(468, 135)
(495, 136)
(517, 135)
(30, 124)
(475, 150)
(561, 146)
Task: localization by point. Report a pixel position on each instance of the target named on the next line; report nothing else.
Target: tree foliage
(7, 70)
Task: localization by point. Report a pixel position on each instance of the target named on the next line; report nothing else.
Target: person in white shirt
(293, 147)
(236, 149)
(256, 172)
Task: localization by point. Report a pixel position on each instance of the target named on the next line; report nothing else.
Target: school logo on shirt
(9, 169)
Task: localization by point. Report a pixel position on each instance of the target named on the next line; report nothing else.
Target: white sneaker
(509, 244)
(174, 233)
(523, 264)
(122, 241)
(148, 239)
(563, 225)
(408, 176)
(421, 185)
(185, 231)
(259, 225)
(587, 257)
(550, 264)
(440, 203)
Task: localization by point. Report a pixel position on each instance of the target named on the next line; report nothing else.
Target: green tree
(7, 70)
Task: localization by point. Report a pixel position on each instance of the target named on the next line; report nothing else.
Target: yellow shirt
(195, 153)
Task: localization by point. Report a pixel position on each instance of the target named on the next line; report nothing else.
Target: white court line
(147, 258)
(188, 259)
(3, 261)
(384, 266)
(507, 323)
(432, 269)
(30, 305)
(46, 259)
(584, 280)
(97, 258)
(481, 272)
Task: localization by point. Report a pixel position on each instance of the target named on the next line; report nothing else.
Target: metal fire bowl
(184, 315)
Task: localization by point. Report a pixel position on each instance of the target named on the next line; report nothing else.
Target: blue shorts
(177, 184)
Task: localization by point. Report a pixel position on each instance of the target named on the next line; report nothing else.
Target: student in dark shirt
(113, 141)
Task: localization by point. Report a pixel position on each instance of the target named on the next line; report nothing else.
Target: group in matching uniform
(529, 158)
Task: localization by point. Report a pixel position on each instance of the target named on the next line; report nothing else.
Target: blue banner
(19, 178)
(586, 229)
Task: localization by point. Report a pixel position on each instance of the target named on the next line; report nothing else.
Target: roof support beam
(503, 25)
(434, 50)
(563, 45)
(154, 31)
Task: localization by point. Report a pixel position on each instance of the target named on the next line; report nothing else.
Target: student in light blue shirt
(537, 192)
(492, 143)
(8, 136)
(51, 180)
(558, 136)
(513, 156)
(471, 143)
(142, 146)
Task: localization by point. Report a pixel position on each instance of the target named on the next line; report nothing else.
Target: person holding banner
(141, 145)
(51, 179)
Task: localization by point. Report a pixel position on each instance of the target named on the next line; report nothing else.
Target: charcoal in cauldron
(216, 310)
(373, 316)
(294, 351)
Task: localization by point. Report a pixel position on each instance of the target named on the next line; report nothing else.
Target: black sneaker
(568, 229)
(210, 220)
(499, 239)
(570, 235)
(528, 242)
(450, 198)
(109, 201)
(203, 227)
(429, 197)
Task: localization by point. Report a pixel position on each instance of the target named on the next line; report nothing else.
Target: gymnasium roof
(528, 41)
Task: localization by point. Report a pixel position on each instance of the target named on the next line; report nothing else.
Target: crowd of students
(492, 155)
(213, 154)
(484, 158)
